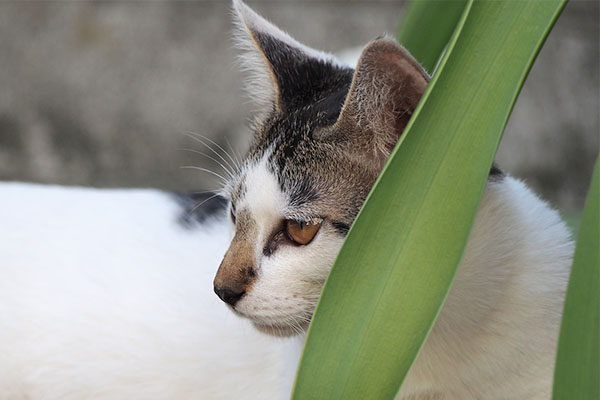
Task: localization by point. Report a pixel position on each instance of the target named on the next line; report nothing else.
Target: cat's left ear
(284, 73)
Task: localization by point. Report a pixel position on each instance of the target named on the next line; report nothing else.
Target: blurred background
(102, 93)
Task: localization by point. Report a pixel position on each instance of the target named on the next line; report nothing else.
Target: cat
(108, 294)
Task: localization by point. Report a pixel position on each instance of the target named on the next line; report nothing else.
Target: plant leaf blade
(427, 27)
(577, 372)
(398, 256)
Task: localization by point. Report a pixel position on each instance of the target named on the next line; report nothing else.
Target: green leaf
(398, 261)
(427, 27)
(577, 372)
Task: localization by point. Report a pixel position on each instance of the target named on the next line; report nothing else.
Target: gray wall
(102, 93)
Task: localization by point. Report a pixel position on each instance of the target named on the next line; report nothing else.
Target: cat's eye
(302, 232)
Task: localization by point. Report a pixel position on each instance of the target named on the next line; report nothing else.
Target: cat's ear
(386, 88)
(283, 72)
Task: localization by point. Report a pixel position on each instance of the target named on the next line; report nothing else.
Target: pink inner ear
(392, 68)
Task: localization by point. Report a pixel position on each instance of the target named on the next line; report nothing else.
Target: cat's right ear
(386, 88)
(283, 72)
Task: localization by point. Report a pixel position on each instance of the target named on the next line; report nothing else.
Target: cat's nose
(229, 296)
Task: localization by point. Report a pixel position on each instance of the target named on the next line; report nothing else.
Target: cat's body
(112, 298)
(108, 295)
(496, 335)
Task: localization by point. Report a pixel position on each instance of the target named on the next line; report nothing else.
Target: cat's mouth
(274, 328)
(281, 330)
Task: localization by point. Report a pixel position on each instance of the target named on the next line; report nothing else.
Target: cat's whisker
(203, 141)
(191, 211)
(238, 157)
(220, 147)
(228, 171)
(292, 326)
(212, 191)
(223, 179)
(201, 137)
(298, 327)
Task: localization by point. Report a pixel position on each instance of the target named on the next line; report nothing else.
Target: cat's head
(325, 133)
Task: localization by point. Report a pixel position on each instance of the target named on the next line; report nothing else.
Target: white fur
(104, 296)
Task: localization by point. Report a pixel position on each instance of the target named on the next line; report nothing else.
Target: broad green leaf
(577, 373)
(427, 27)
(398, 261)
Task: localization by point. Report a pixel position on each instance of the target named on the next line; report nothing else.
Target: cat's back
(499, 325)
(70, 230)
(107, 294)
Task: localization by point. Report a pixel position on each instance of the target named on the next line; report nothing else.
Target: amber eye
(302, 232)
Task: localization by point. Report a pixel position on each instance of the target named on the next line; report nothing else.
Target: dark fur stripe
(198, 207)
(302, 193)
(341, 227)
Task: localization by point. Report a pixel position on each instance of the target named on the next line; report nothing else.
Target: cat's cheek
(289, 283)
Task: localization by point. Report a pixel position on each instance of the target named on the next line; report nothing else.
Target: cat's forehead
(313, 180)
(268, 191)
(283, 172)
(259, 191)
(282, 130)
(285, 147)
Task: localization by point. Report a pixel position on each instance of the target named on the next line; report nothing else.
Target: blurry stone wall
(102, 93)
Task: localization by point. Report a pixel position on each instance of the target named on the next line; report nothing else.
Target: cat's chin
(280, 330)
